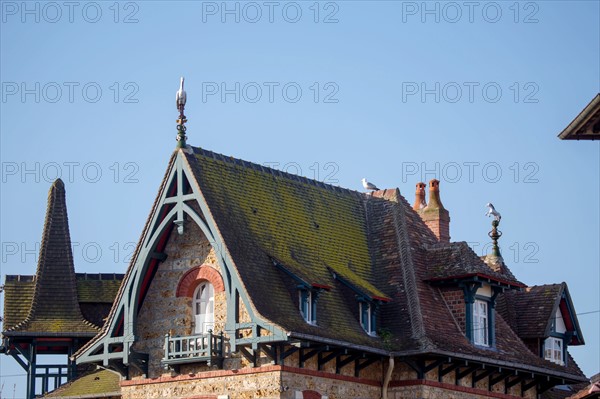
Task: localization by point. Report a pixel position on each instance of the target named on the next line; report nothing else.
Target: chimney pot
(435, 216)
(420, 202)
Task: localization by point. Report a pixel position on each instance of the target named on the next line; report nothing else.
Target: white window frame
(307, 308)
(365, 309)
(554, 350)
(481, 323)
(203, 308)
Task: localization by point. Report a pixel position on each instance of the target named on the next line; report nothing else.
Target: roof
(457, 260)
(97, 384)
(280, 229)
(49, 303)
(377, 242)
(530, 312)
(586, 126)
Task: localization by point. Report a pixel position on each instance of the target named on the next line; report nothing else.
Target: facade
(56, 311)
(248, 282)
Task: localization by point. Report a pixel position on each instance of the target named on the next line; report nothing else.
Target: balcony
(193, 349)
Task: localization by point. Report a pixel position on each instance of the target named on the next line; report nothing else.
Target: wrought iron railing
(193, 348)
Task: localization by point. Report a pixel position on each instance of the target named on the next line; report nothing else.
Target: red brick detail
(450, 387)
(311, 395)
(195, 276)
(249, 371)
(455, 300)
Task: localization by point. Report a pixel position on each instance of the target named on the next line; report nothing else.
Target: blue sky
(473, 94)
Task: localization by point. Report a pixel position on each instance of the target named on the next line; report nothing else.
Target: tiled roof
(312, 229)
(530, 311)
(98, 384)
(377, 242)
(275, 224)
(49, 304)
(457, 259)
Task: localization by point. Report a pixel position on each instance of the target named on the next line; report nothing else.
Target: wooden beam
(250, 356)
(527, 386)
(341, 363)
(432, 365)
(359, 366)
(494, 380)
(508, 383)
(462, 374)
(304, 356)
(443, 371)
(478, 377)
(326, 359)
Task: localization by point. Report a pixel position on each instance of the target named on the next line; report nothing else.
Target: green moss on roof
(95, 383)
(97, 291)
(308, 228)
(17, 300)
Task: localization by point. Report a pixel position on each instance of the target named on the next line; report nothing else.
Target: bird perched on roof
(180, 97)
(492, 212)
(368, 186)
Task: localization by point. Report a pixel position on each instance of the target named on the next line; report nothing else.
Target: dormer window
(367, 317)
(481, 330)
(308, 305)
(554, 350)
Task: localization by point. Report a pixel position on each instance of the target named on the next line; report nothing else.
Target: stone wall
(162, 311)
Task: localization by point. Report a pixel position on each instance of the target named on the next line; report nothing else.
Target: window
(308, 307)
(204, 308)
(367, 317)
(481, 334)
(553, 350)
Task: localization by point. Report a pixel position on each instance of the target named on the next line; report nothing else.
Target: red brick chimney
(435, 216)
(420, 202)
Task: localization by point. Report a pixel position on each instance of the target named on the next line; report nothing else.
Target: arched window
(204, 308)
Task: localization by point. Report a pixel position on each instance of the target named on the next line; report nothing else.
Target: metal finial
(495, 234)
(181, 99)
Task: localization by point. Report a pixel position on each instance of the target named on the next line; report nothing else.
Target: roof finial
(181, 98)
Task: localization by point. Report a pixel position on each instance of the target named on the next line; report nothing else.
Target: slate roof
(377, 242)
(97, 384)
(50, 303)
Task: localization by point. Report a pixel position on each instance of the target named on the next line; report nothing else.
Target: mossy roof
(377, 243)
(49, 302)
(98, 384)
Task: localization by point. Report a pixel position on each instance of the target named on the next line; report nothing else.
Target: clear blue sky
(394, 91)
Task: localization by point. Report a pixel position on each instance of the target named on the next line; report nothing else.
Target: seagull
(492, 212)
(181, 96)
(368, 186)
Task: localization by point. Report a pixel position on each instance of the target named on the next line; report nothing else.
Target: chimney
(435, 216)
(420, 202)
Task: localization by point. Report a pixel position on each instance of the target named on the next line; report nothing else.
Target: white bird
(492, 212)
(180, 96)
(368, 186)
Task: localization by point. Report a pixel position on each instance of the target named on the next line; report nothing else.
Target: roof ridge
(275, 172)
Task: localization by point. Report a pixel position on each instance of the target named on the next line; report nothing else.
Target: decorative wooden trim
(196, 275)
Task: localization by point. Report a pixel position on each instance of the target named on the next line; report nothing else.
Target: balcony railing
(193, 349)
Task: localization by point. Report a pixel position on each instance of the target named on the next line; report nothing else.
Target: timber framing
(177, 200)
(477, 372)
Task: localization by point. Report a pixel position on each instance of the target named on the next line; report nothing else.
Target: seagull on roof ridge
(368, 186)
(492, 212)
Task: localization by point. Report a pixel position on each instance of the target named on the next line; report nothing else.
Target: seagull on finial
(181, 97)
(492, 212)
(368, 186)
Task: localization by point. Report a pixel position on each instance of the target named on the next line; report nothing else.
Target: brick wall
(455, 300)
